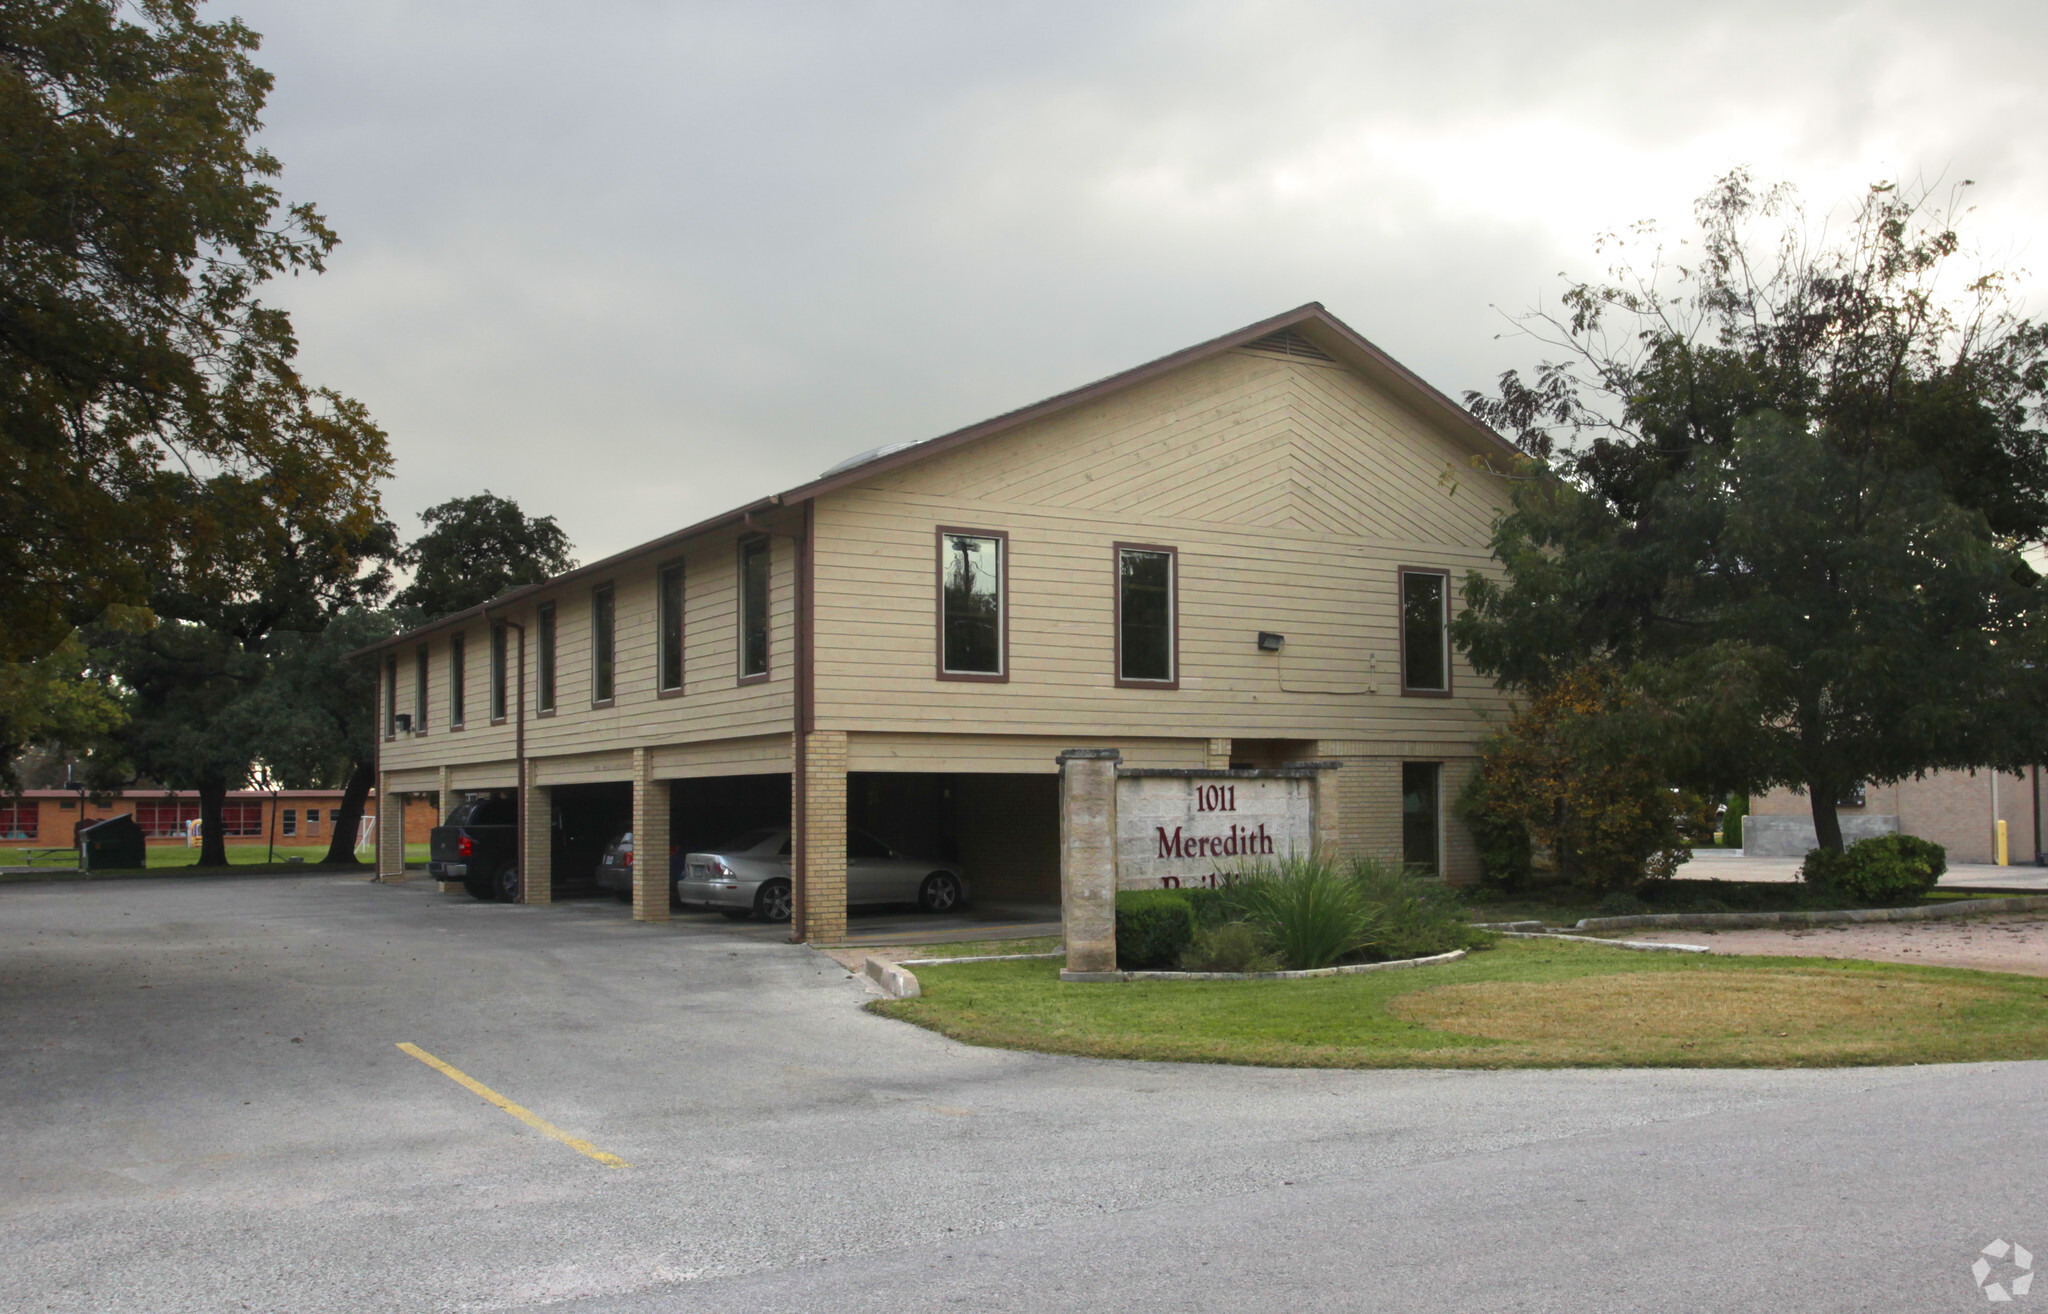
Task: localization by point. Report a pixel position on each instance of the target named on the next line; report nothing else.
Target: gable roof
(1323, 332)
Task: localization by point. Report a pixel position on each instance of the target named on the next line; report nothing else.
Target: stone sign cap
(1285, 771)
(1092, 754)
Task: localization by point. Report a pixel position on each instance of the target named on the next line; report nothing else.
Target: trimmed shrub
(1415, 916)
(1153, 928)
(1882, 870)
(1622, 903)
(1230, 947)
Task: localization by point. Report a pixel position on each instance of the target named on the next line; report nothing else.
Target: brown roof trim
(1434, 404)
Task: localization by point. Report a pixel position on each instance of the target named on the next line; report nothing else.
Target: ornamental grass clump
(1230, 947)
(1309, 910)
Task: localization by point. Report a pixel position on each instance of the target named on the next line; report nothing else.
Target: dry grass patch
(1712, 1017)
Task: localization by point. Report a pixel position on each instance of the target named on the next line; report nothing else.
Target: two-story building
(1243, 553)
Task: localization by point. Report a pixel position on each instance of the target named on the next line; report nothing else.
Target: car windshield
(749, 841)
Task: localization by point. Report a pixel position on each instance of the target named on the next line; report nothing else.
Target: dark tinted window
(1419, 828)
(499, 690)
(971, 604)
(1145, 615)
(544, 658)
(458, 695)
(1422, 631)
(671, 654)
(754, 607)
(601, 639)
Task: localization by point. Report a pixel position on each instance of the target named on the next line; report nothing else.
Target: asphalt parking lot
(204, 1106)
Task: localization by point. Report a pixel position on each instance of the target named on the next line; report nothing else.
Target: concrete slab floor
(203, 1106)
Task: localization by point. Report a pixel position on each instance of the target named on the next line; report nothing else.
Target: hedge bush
(1882, 870)
(1153, 928)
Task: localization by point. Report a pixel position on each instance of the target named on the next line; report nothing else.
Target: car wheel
(507, 884)
(772, 902)
(737, 914)
(939, 893)
(480, 887)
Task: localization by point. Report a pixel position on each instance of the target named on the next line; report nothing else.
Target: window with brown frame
(974, 572)
(1147, 616)
(421, 665)
(669, 620)
(753, 584)
(500, 690)
(544, 660)
(457, 694)
(603, 638)
(391, 695)
(1425, 632)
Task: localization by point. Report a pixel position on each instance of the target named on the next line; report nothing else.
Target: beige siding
(714, 705)
(1293, 492)
(1023, 754)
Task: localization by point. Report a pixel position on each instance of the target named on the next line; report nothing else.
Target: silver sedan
(749, 876)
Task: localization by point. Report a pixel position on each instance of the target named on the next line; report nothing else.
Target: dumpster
(115, 842)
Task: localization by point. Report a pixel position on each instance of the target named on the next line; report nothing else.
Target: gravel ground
(1993, 944)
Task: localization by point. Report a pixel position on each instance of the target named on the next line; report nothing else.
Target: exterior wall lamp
(1270, 642)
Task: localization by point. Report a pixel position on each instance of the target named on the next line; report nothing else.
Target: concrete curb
(1743, 921)
(978, 958)
(1645, 946)
(892, 980)
(1347, 970)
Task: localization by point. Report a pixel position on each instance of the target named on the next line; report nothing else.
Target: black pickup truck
(478, 846)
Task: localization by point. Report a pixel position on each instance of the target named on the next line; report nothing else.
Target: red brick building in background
(46, 818)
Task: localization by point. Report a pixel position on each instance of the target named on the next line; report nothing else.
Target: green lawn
(1523, 1004)
(169, 856)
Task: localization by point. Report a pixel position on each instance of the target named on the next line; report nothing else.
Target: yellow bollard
(2002, 851)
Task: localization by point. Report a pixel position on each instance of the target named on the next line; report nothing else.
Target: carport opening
(704, 813)
(587, 818)
(1002, 830)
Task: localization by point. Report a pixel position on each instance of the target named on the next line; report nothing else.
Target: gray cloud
(632, 263)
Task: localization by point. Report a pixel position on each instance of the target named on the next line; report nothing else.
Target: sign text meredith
(1182, 829)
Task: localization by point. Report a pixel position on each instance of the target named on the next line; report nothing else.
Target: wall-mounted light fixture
(1270, 642)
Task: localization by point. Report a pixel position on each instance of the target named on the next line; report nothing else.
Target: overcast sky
(632, 263)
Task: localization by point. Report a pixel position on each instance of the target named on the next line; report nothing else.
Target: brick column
(1218, 757)
(537, 817)
(824, 838)
(1460, 858)
(390, 832)
(650, 841)
(1088, 860)
(1329, 813)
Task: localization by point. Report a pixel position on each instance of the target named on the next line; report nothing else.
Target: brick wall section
(1218, 758)
(1369, 806)
(1460, 850)
(824, 786)
(537, 877)
(1952, 808)
(390, 837)
(1010, 836)
(650, 841)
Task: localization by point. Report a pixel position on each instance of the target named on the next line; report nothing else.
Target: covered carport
(1002, 830)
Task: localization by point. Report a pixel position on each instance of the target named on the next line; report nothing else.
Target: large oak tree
(1787, 481)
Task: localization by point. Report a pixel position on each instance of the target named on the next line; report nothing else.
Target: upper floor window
(754, 609)
(544, 658)
(603, 633)
(391, 695)
(419, 690)
(972, 572)
(498, 681)
(1425, 631)
(457, 695)
(669, 648)
(1147, 616)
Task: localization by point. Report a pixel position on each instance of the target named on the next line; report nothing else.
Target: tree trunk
(341, 849)
(213, 840)
(1827, 824)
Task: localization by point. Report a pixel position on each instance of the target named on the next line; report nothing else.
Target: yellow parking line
(527, 1116)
